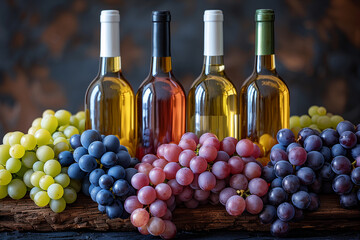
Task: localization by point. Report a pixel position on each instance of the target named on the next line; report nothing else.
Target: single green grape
(45, 181)
(6, 138)
(4, 153)
(17, 151)
(60, 147)
(35, 178)
(63, 117)
(5, 177)
(42, 136)
(321, 111)
(41, 198)
(70, 131)
(50, 123)
(48, 112)
(13, 165)
(38, 166)
(34, 191)
(37, 122)
(70, 195)
(52, 168)
(26, 178)
(28, 141)
(62, 179)
(55, 135)
(32, 130)
(313, 110)
(55, 191)
(22, 171)
(80, 115)
(294, 121)
(324, 122)
(315, 127)
(58, 205)
(75, 184)
(74, 121)
(305, 121)
(314, 118)
(82, 125)
(45, 153)
(29, 159)
(61, 139)
(15, 138)
(335, 120)
(16, 189)
(3, 191)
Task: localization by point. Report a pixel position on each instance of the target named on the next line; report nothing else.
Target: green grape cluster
(318, 118)
(28, 161)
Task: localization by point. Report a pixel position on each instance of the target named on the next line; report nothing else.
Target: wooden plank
(24, 215)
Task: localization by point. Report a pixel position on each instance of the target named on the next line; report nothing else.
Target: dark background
(49, 50)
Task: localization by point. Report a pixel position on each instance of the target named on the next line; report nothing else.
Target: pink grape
(195, 183)
(171, 169)
(222, 156)
(158, 208)
(170, 230)
(198, 164)
(161, 151)
(236, 165)
(170, 201)
(168, 215)
(192, 203)
(227, 146)
(207, 181)
(235, 205)
(208, 152)
(245, 148)
(172, 152)
(143, 230)
(184, 176)
(149, 158)
(212, 141)
(146, 195)
(139, 180)
(232, 139)
(176, 188)
(156, 226)
(238, 182)
(214, 198)
(191, 135)
(225, 194)
(254, 204)
(132, 203)
(186, 194)
(248, 159)
(221, 170)
(188, 143)
(297, 156)
(252, 170)
(258, 186)
(201, 195)
(157, 176)
(145, 168)
(160, 163)
(257, 152)
(206, 136)
(185, 157)
(163, 191)
(139, 217)
(220, 185)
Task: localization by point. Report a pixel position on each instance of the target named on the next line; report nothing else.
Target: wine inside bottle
(109, 99)
(264, 96)
(212, 103)
(160, 100)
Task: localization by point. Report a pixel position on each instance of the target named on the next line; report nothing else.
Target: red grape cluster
(196, 171)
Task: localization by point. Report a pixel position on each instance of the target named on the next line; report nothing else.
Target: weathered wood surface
(24, 215)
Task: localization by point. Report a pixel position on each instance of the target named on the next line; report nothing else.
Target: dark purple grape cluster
(105, 168)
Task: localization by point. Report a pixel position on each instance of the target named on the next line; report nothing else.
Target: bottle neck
(213, 65)
(110, 65)
(264, 46)
(160, 66)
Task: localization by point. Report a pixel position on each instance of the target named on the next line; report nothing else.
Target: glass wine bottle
(264, 96)
(212, 103)
(109, 100)
(160, 100)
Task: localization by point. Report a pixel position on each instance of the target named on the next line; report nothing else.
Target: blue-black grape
(355, 151)
(121, 187)
(79, 152)
(345, 126)
(117, 172)
(292, 145)
(306, 175)
(122, 148)
(66, 158)
(314, 203)
(355, 176)
(283, 168)
(75, 172)
(277, 196)
(133, 162)
(285, 136)
(87, 163)
(299, 215)
(285, 211)
(268, 173)
(95, 176)
(125, 215)
(94, 192)
(75, 141)
(277, 155)
(358, 135)
(316, 185)
(348, 139)
(130, 172)
(89, 136)
(114, 210)
(268, 214)
(106, 181)
(102, 208)
(279, 146)
(349, 200)
(342, 184)
(315, 160)
(111, 143)
(277, 182)
(326, 172)
(338, 150)
(109, 159)
(304, 133)
(104, 197)
(301, 199)
(330, 137)
(96, 149)
(341, 165)
(123, 158)
(85, 185)
(291, 183)
(279, 228)
(326, 152)
(313, 143)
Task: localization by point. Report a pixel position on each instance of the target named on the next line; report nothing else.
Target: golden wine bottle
(109, 100)
(212, 103)
(264, 96)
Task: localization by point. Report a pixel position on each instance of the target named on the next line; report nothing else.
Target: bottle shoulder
(116, 83)
(262, 82)
(213, 84)
(161, 84)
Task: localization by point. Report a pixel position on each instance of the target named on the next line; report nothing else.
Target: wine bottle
(160, 100)
(109, 100)
(264, 96)
(212, 103)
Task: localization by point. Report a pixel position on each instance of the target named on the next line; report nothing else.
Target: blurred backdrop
(49, 50)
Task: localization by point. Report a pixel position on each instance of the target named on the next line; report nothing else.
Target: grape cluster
(28, 161)
(317, 119)
(197, 171)
(294, 177)
(105, 168)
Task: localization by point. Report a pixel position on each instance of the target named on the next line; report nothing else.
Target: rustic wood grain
(24, 215)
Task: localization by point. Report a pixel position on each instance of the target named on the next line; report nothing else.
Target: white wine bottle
(212, 103)
(109, 100)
